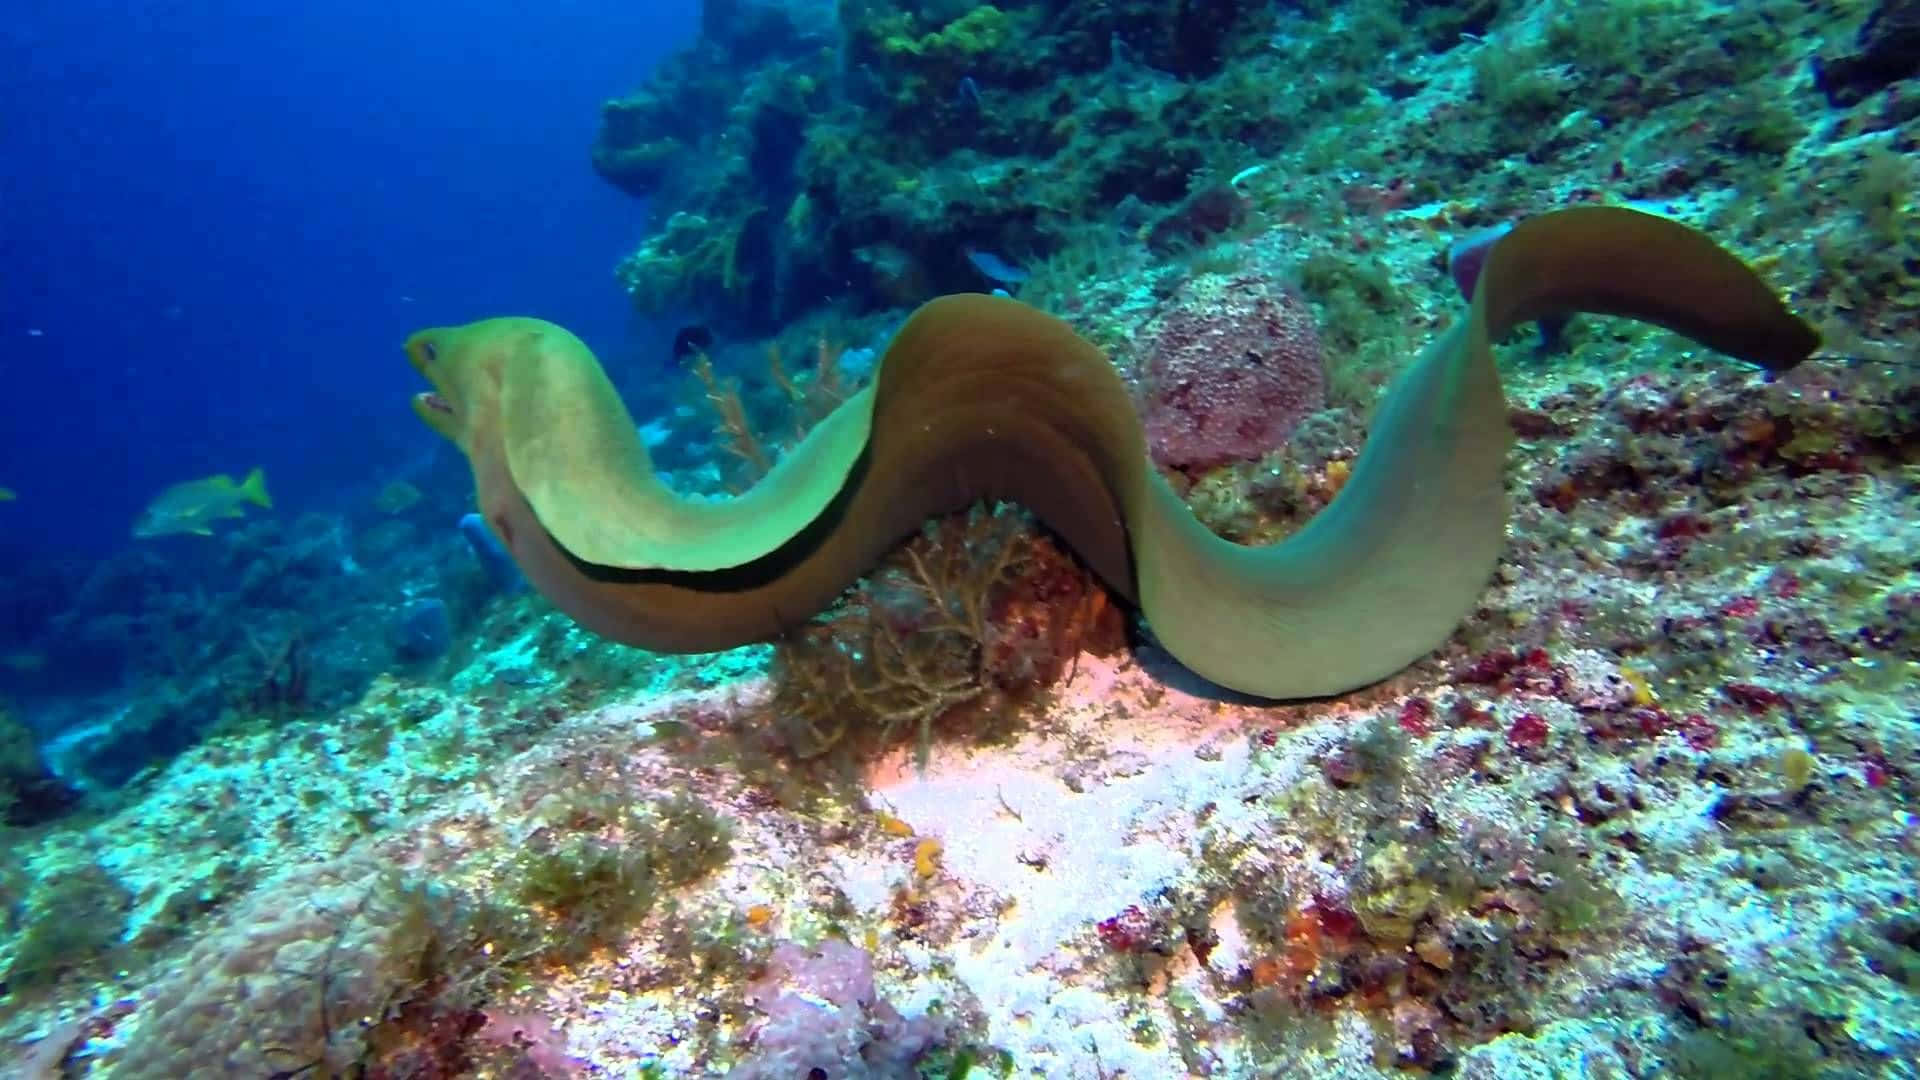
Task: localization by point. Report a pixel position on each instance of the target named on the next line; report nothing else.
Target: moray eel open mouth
(431, 406)
(982, 397)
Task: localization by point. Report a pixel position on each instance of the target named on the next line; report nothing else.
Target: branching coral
(977, 613)
(724, 396)
(805, 400)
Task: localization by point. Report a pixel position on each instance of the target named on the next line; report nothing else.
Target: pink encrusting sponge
(1228, 371)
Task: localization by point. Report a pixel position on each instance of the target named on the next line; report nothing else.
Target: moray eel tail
(984, 397)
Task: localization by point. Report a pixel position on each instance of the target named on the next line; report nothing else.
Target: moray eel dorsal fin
(984, 397)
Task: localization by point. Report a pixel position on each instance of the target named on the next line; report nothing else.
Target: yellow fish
(194, 506)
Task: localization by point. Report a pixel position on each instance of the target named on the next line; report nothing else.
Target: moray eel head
(467, 366)
(437, 406)
(454, 359)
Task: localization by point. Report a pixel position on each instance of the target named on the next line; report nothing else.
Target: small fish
(194, 506)
(690, 340)
(7, 495)
(995, 268)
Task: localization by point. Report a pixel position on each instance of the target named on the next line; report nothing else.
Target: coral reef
(931, 130)
(1650, 810)
(972, 619)
(29, 793)
(1885, 51)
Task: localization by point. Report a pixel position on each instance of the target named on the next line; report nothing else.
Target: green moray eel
(981, 397)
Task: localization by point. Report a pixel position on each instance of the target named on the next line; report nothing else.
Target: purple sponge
(823, 1017)
(1468, 256)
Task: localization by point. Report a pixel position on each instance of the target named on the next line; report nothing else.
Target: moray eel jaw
(436, 407)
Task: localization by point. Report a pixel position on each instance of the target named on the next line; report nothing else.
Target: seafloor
(1651, 811)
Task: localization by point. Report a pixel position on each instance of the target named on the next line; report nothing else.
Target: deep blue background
(222, 223)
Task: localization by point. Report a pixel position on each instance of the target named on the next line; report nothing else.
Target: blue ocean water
(221, 219)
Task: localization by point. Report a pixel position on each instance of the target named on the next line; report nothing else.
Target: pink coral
(533, 1035)
(1227, 371)
(823, 1016)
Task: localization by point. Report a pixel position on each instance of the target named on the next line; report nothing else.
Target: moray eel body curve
(983, 397)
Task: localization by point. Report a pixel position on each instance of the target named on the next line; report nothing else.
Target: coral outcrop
(865, 171)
